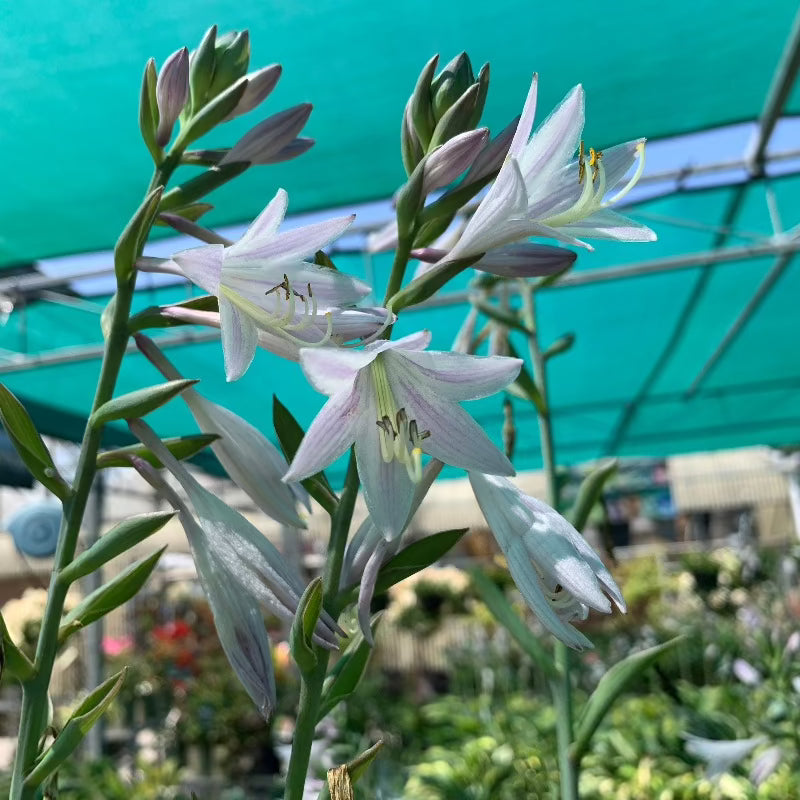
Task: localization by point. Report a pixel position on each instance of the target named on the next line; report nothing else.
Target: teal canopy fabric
(74, 167)
(621, 389)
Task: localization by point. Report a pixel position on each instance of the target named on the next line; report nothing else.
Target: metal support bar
(782, 82)
(747, 312)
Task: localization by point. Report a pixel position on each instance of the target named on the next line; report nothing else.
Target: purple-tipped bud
(172, 92)
(447, 162)
(292, 150)
(526, 260)
(269, 137)
(488, 163)
(259, 86)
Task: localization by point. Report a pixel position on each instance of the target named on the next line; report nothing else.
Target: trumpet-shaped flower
(396, 402)
(252, 462)
(264, 282)
(544, 189)
(556, 571)
(720, 755)
(239, 569)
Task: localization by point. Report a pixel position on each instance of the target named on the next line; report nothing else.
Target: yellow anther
(594, 162)
(581, 163)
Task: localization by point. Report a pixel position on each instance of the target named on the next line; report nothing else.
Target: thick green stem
(33, 714)
(398, 268)
(311, 685)
(561, 686)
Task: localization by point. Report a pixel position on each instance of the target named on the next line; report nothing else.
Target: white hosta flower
(239, 569)
(252, 462)
(555, 570)
(720, 754)
(264, 282)
(544, 189)
(397, 402)
(746, 672)
(766, 763)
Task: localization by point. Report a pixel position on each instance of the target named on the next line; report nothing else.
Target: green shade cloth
(75, 168)
(621, 389)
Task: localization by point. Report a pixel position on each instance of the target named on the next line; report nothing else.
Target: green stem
(33, 714)
(560, 686)
(311, 685)
(398, 267)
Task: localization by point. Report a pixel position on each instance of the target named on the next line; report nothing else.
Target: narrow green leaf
(305, 621)
(213, 113)
(560, 345)
(450, 202)
(29, 445)
(590, 492)
(611, 686)
(73, 733)
(199, 186)
(416, 557)
(14, 662)
(428, 232)
(118, 540)
(551, 280)
(480, 100)
(131, 241)
(135, 405)
(148, 110)
(110, 595)
(427, 285)
(347, 672)
(524, 386)
(181, 447)
(502, 611)
(409, 200)
(290, 434)
(192, 212)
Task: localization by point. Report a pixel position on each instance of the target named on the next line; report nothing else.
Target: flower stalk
(561, 685)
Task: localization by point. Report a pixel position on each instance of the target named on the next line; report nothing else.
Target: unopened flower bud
(201, 68)
(231, 59)
(419, 105)
(269, 137)
(525, 260)
(447, 162)
(410, 146)
(450, 84)
(259, 86)
(456, 119)
(489, 161)
(172, 92)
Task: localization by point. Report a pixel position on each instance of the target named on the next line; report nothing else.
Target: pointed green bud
(420, 106)
(148, 110)
(410, 199)
(232, 58)
(483, 91)
(172, 92)
(410, 146)
(201, 69)
(456, 119)
(450, 84)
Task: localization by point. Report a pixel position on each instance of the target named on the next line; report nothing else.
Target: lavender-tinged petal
(295, 149)
(500, 219)
(172, 92)
(413, 341)
(202, 266)
(746, 672)
(447, 162)
(554, 142)
(239, 338)
(330, 434)
(268, 137)
(456, 376)
(384, 239)
(765, 765)
(289, 246)
(608, 224)
(264, 226)
(333, 370)
(367, 589)
(359, 323)
(525, 125)
(491, 158)
(456, 438)
(253, 463)
(618, 160)
(525, 260)
(259, 86)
